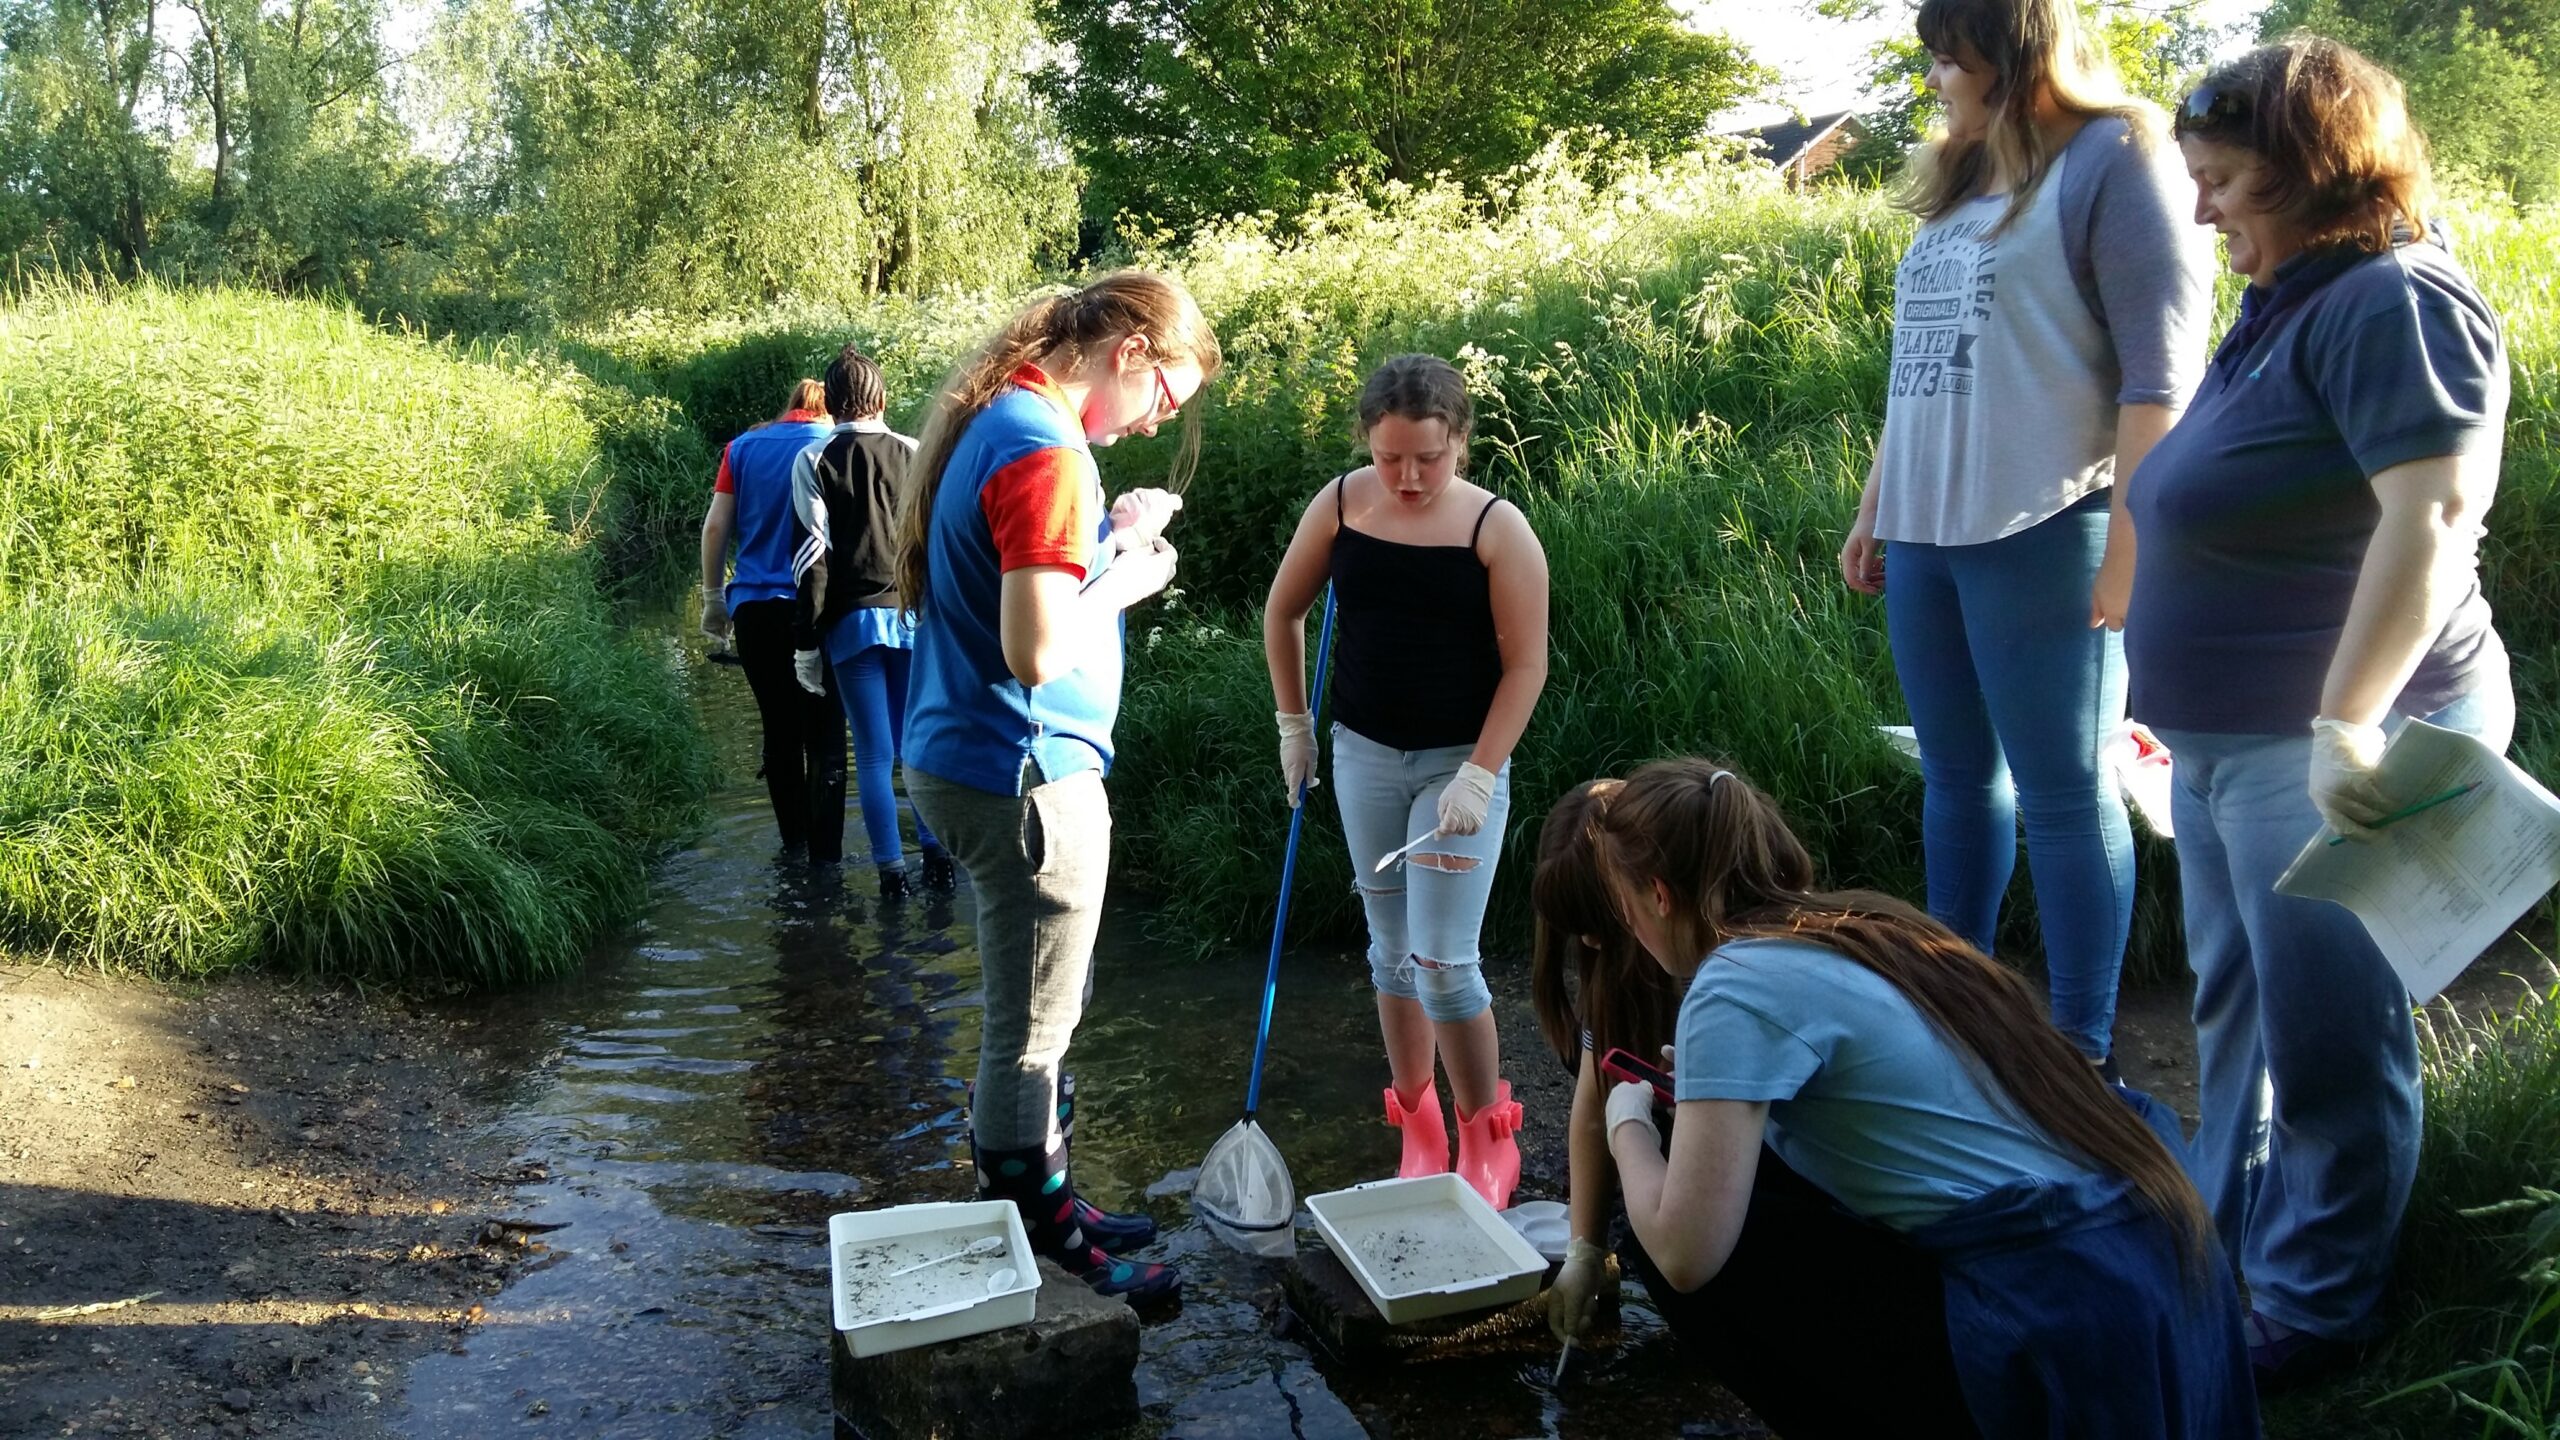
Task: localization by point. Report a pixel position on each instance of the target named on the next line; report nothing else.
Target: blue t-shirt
(868, 626)
(1866, 1100)
(2256, 509)
(756, 467)
(1019, 490)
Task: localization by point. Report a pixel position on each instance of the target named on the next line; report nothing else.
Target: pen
(2405, 811)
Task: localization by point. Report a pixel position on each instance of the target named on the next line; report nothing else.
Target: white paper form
(2439, 887)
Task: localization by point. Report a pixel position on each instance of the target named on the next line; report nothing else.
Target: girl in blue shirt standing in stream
(1018, 575)
(1916, 1084)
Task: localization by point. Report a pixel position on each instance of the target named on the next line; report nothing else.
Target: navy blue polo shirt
(2254, 512)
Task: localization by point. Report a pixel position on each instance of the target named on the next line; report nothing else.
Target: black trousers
(804, 749)
(1823, 1324)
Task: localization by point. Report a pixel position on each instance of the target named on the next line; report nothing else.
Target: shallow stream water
(764, 1047)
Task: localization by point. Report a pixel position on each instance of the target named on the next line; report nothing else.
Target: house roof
(1788, 140)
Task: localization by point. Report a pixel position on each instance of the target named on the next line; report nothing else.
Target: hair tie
(1719, 775)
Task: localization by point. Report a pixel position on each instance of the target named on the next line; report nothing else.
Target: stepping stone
(1070, 1372)
(1332, 1310)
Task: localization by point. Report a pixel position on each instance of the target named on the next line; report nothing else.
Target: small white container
(966, 1296)
(1426, 1246)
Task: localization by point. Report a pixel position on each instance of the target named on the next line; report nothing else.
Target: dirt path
(296, 1180)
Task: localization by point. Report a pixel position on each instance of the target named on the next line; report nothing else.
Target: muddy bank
(299, 1182)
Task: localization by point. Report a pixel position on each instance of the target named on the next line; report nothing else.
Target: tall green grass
(2471, 1306)
(306, 653)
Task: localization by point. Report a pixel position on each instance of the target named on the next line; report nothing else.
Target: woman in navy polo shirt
(2309, 573)
(1018, 577)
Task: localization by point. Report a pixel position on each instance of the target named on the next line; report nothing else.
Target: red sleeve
(1044, 509)
(726, 483)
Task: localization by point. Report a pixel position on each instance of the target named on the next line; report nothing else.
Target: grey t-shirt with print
(2013, 348)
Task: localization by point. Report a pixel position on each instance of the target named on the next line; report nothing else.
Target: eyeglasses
(2209, 107)
(1170, 407)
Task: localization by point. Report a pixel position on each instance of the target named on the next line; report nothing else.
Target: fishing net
(1245, 1195)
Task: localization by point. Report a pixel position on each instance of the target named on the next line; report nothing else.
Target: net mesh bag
(1244, 1193)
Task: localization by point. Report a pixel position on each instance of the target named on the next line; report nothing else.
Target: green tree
(2481, 78)
(1184, 110)
(700, 156)
(312, 183)
(80, 178)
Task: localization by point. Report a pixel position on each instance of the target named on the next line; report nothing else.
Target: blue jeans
(2014, 699)
(1426, 914)
(2307, 1060)
(873, 685)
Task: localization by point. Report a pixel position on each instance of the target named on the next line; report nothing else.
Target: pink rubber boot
(1488, 1158)
(1426, 1138)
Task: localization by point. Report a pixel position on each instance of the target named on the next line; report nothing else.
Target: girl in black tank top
(1440, 594)
(1417, 662)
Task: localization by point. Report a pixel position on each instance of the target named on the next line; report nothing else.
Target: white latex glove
(809, 667)
(1150, 568)
(2343, 760)
(1139, 516)
(1631, 1103)
(1464, 804)
(1297, 752)
(715, 619)
(1573, 1302)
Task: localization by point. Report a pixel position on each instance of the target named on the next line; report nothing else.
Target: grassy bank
(309, 655)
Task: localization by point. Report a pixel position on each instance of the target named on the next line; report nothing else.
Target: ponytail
(1125, 302)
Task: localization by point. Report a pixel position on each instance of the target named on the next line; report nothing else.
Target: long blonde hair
(1122, 303)
(2034, 47)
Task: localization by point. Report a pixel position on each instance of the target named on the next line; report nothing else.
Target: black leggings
(804, 752)
(1823, 1324)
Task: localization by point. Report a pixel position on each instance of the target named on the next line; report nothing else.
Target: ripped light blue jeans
(1426, 913)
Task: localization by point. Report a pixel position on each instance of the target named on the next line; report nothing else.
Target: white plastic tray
(1427, 1246)
(967, 1296)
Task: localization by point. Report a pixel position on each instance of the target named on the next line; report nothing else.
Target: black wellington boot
(1035, 1180)
(1118, 1234)
(940, 875)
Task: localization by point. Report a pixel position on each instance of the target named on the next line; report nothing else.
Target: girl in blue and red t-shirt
(1019, 574)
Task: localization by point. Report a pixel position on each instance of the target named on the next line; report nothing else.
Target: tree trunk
(813, 76)
(215, 85)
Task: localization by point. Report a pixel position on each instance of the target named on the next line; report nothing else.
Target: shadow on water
(766, 1047)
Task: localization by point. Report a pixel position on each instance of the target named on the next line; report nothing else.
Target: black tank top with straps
(1416, 661)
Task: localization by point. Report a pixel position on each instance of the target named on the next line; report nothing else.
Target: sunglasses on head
(2210, 106)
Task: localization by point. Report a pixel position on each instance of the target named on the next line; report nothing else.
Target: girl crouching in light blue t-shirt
(1916, 1083)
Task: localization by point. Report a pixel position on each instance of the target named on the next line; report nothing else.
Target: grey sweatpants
(1037, 862)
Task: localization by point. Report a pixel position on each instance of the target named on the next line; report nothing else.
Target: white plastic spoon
(1401, 851)
(983, 1245)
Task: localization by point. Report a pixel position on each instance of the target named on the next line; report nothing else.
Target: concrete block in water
(1338, 1315)
(1070, 1372)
